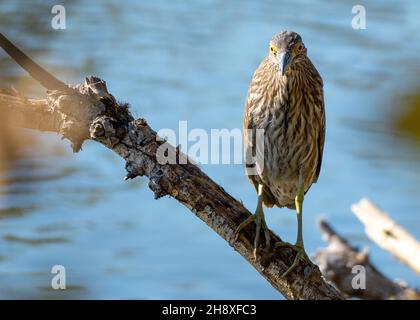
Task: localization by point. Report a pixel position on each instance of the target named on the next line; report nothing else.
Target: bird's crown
(285, 40)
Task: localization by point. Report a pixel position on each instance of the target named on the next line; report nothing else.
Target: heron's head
(286, 48)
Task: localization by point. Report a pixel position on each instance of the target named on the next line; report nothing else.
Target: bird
(285, 102)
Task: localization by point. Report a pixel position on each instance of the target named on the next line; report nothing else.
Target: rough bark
(387, 234)
(88, 111)
(340, 263)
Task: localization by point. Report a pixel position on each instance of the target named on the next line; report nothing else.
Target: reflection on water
(408, 121)
(180, 61)
(33, 242)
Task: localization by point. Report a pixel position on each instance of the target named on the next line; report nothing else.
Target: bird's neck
(299, 78)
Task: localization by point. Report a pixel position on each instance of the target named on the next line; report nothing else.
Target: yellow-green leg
(259, 219)
(299, 246)
(299, 204)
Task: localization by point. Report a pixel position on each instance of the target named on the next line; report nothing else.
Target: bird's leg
(300, 195)
(299, 246)
(260, 222)
(259, 219)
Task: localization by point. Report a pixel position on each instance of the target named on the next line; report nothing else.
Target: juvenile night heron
(285, 99)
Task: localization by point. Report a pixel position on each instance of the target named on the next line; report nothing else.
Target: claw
(300, 254)
(243, 224)
(259, 220)
(279, 244)
(254, 253)
(260, 224)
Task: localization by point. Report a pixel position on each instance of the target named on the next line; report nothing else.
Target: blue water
(177, 61)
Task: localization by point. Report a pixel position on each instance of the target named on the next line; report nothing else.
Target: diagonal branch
(89, 111)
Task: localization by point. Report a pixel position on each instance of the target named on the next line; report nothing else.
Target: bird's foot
(260, 225)
(300, 254)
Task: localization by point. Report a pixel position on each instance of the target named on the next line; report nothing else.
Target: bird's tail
(46, 79)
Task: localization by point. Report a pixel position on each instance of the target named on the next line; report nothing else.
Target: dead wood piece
(387, 234)
(343, 264)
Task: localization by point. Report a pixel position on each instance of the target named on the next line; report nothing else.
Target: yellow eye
(273, 49)
(299, 47)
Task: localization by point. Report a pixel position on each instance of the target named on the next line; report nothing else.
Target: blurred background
(193, 61)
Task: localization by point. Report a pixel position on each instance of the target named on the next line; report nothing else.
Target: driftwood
(381, 229)
(89, 111)
(341, 263)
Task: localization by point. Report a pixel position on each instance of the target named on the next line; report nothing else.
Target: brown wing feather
(321, 140)
(268, 198)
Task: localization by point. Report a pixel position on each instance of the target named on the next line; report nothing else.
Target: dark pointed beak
(284, 60)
